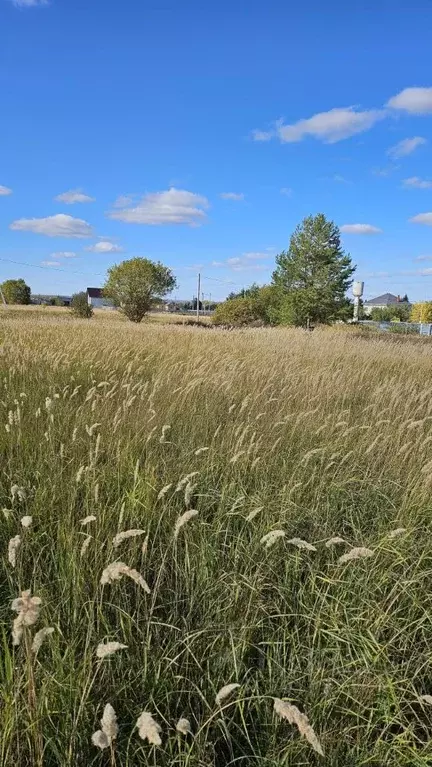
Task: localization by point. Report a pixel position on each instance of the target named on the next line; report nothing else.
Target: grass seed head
(356, 553)
(115, 572)
(301, 544)
(149, 729)
(182, 520)
(225, 692)
(270, 538)
(26, 521)
(164, 491)
(85, 545)
(184, 726)
(398, 531)
(105, 649)
(109, 723)
(13, 547)
(252, 514)
(334, 541)
(87, 520)
(120, 537)
(100, 740)
(426, 699)
(40, 637)
(294, 716)
(28, 609)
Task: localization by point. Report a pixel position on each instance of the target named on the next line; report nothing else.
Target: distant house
(96, 299)
(382, 302)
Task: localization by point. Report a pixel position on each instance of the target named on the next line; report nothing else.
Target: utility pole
(198, 296)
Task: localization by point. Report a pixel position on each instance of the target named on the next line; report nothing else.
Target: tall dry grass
(320, 436)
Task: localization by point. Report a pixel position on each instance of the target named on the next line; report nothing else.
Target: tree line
(308, 286)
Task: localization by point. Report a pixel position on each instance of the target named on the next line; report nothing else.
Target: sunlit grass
(200, 446)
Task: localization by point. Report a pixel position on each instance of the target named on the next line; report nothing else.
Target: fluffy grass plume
(149, 729)
(183, 520)
(184, 726)
(39, 638)
(294, 716)
(120, 537)
(115, 572)
(13, 547)
(225, 692)
(357, 553)
(105, 649)
(269, 539)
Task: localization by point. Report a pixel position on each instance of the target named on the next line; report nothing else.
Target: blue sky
(200, 134)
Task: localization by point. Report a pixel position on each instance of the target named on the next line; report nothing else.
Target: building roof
(385, 299)
(94, 292)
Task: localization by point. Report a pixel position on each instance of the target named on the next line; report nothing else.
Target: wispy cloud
(405, 147)
(60, 225)
(243, 263)
(105, 246)
(422, 218)
(360, 229)
(29, 3)
(417, 183)
(236, 196)
(174, 206)
(417, 101)
(286, 191)
(50, 263)
(64, 254)
(5, 191)
(329, 127)
(423, 258)
(73, 196)
(340, 179)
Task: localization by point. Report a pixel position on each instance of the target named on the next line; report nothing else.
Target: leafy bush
(80, 306)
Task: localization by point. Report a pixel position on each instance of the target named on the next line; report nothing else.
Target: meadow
(274, 489)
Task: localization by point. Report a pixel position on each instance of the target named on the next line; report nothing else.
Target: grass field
(317, 436)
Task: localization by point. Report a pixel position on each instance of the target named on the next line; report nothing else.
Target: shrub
(80, 306)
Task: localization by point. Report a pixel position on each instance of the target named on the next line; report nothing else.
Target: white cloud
(104, 246)
(360, 229)
(60, 225)
(256, 255)
(73, 196)
(423, 258)
(417, 183)
(422, 218)
(124, 200)
(287, 191)
(50, 263)
(243, 263)
(4, 191)
(232, 196)
(29, 3)
(340, 179)
(330, 127)
(405, 147)
(262, 135)
(416, 101)
(64, 254)
(174, 206)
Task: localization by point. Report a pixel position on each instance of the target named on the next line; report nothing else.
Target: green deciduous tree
(134, 285)
(314, 274)
(16, 292)
(80, 306)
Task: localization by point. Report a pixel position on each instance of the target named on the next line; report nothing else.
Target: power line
(52, 268)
